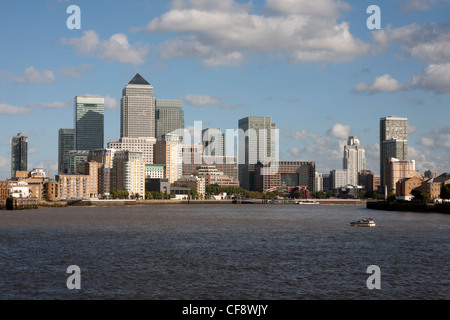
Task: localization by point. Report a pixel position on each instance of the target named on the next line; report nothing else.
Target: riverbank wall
(408, 206)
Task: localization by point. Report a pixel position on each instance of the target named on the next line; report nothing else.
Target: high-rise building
(89, 123)
(318, 183)
(144, 145)
(290, 174)
(258, 136)
(65, 144)
(213, 140)
(129, 172)
(137, 109)
(393, 142)
(76, 157)
(168, 151)
(105, 160)
(169, 116)
(19, 154)
(396, 169)
(338, 178)
(354, 159)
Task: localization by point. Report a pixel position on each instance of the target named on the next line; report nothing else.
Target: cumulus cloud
(437, 138)
(54, 105)
(75, 72)
(116, 48)
(339, 131)
(326, 8)
(433, 78)
(111, 103)
(86, 44)
(10, 109)
(33, 75)
(384, 83)
(420, 5)
(222, 32)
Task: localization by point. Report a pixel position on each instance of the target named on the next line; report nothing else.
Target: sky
(314, 67)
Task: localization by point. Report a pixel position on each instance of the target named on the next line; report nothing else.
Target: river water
(269, 252)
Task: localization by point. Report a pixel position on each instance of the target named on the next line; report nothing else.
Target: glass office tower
(89, 123)
(19, 154)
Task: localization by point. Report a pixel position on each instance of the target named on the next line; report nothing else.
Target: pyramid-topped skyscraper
(137, 109)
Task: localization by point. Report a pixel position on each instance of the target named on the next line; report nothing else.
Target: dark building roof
(138, 80)
(443, 177)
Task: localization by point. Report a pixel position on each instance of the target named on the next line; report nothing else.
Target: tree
(330, 194)
(445, 192)
(362, 194)
(298, 194)
(419, 195)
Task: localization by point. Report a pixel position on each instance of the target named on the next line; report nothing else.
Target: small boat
(363, 223)
(307, 202)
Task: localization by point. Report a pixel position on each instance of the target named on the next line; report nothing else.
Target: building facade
(169, 116)
(396, 169)
(168, 151)
(89, 123)
(338, 178)
(393, 142)
(19, 154)
(129, 173)
(354, 159)
(65, 145)
(290, 174)
(141, 144)
(137, 109)
(257, 142)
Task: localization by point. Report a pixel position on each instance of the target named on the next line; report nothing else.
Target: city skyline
(318, 95)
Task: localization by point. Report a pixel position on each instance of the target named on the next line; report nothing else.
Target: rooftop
(138, 79)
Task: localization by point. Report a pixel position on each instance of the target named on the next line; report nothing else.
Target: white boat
(363, 223)
(307, 202)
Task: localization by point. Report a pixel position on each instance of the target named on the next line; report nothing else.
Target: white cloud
(420, 5)
(326, 8)
(33, 75)
(436, 139)
(86, 44)
(339, 131)
(53, 105)
(116, 48)
(111, 103)
(202, 100)
(384, 83)
(224, 34)
(433, 78)
(75, 72)
(10, 109)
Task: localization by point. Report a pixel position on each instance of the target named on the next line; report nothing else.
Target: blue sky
(313, 66)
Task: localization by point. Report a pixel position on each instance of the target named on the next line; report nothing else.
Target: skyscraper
(89, 123)
(354, 159)
(65, 144)
(137, 109)
(19, 154)
(213, 141)
(257, 134)
(168, 151)
(393, 142)
(169, 116)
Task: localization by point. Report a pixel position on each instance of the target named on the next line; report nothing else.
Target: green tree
(362, 194)
(330, 194)
(445, 192)
(298, 194)
(420, 195)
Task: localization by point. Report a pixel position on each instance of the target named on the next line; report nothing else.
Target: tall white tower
(137, 109)
(354, 159)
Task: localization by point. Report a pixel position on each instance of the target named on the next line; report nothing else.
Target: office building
(318, 184)
(213, 176)
(168, 151)
(290, 174)
(105, 160)
(258, 141)
(76, 157)
(393, 142)
(129, 173)
(142, 144)
(137, 109)
(338, 178)
(19, 154)
(169, 116)
(354, 159)
(79, 186)
(213, 141)
(65, 145)
(396, 169)
(89, 123)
